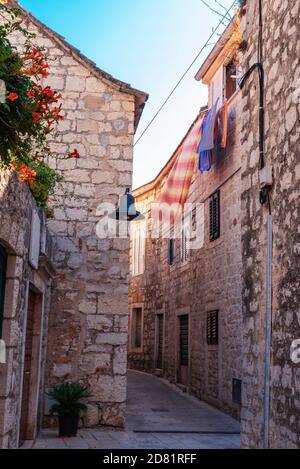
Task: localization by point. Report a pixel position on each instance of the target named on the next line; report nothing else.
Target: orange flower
(30, 94)
(48, 92)
(26, 175)
(12, 96)
(36, 116)
(74, 154)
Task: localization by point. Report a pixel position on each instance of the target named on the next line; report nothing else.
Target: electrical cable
(221, 5)
(261, 75)
(184, 75)
(214, 11)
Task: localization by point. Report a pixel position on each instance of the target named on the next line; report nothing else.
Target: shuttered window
(214, 216)
(138, 251)
(184, 339)
(185, 244)
(3, 262)
(213, 328)
(171, 251)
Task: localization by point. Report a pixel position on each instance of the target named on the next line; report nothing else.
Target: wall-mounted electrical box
(266, 176)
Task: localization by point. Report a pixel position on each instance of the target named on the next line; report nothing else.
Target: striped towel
(177, 185)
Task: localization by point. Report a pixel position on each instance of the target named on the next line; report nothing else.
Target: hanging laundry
(207, 138)
(177, 186)
(214, 135)
(224, 123)
(204, 156)
(205, 161)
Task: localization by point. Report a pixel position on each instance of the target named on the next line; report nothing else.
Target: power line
(222, 6)
(184, 75)
(215, 11)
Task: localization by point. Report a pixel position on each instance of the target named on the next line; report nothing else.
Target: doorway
(31, 373)
(183, 350)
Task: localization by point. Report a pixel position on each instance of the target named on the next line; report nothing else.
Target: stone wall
(282, 70)
(16, 206)
(89, 310)
(210, 280)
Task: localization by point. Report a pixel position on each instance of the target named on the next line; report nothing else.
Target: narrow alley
(159, 416)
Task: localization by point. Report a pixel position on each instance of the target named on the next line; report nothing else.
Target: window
(185, 244)
(171, 251)
(212, 329)
(3, 263)
(214, 216)
(136, 328)
(231, 82)
(184, 340)
(237, 391)
(138, 251)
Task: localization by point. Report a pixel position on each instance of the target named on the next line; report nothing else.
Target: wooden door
(28, 368)
(183, 368)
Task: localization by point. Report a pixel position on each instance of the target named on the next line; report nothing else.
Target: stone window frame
(132, 348)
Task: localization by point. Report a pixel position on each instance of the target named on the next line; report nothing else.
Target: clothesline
(208, 131)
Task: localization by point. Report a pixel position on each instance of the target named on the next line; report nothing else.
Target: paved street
(159, 416)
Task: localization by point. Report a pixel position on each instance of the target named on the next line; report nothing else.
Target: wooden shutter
(171, 251)
(185, 245)
(184, 339)
(213, 328)
(139, 245)
(3, 262)
(214, 216)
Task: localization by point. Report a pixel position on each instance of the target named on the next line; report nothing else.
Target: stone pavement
(159, 416)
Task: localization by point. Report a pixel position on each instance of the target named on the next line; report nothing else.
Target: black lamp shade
(127, 210)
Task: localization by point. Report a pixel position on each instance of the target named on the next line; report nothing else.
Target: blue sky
(149, 44)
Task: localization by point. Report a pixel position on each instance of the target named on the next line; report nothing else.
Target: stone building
(271, 398)
(185, 301)
(88, 318)
(26, 272)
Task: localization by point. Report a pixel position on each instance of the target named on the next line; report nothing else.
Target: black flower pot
(68, 425)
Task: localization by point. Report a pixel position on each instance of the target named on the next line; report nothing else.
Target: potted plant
(68, 406)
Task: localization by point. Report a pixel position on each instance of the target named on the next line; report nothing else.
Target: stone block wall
(16, 206)
(89, 310)
(210, 280)
(282, 71)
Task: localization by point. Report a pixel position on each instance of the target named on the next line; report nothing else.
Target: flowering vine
(29, 111)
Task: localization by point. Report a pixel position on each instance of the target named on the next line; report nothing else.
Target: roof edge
(140, 96)
(213, 55)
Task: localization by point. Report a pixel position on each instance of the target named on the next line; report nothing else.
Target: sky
(149, 44)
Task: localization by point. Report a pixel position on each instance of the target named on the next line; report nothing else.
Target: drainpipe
(268, 333)
(265, 182)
